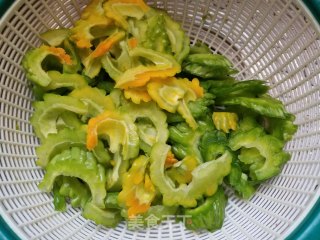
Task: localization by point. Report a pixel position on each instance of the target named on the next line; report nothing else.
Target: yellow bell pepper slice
(121, 133)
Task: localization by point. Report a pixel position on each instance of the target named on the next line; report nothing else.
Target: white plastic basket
(276, 40)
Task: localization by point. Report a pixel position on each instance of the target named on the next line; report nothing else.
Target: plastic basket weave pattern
(274, 40)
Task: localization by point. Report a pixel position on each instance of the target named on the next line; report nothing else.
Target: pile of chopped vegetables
(135, 121)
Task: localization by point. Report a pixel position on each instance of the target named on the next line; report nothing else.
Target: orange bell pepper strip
(170, 160)
(59, 53)
(104, 46)
(133, 42)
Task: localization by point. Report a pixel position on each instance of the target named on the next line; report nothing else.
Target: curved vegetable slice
(81, 164)
(106, 217)
(116, 174)
(93, 16)
(248, 122)
(173, 95)
(269, 147)
(92, 63)
(121, 132)
(152, 33)
(119, 10)
(125, 61)
(208, 66)
(284, 129)
(200, 47)
(44, 119)
(55, 37)
(202, 107)
(141, 75)
(32, 63)
(230, 88)
(185, 141)
(92, 67)
(212, 144)
(264, 105)
(71, 50)
(110, 67)
(162, 34)
(138, 191)
(78, 193)
(161, 66)
(166, 96)
(95, 98)
(65, 80)
(104, 46)
(121, 60)
(118, 98)
(59, 201)
(149, 133)
(65, 139)
(209, 215)
(181, 172)
(112, 200)
(205, 178)
(180, 42)
(238, 180)
(68, 120)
